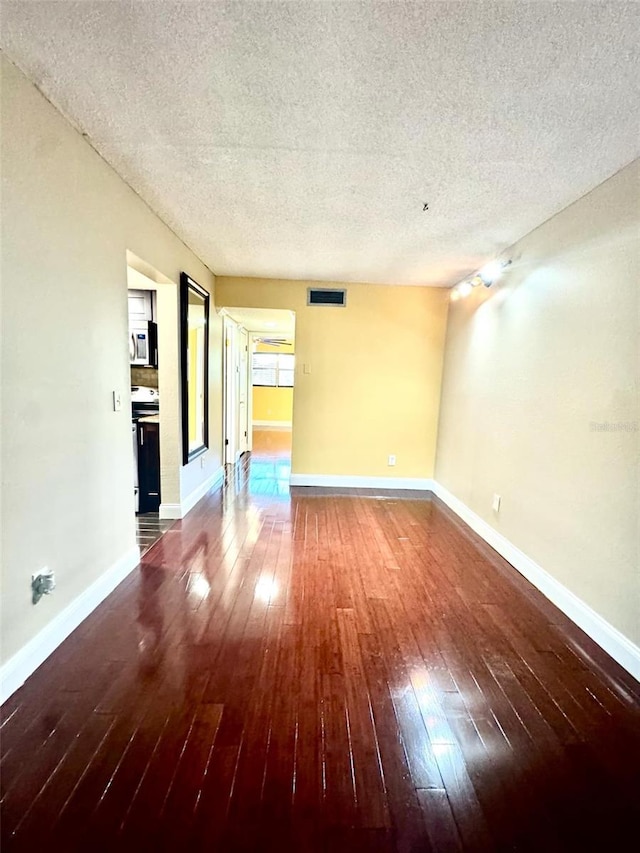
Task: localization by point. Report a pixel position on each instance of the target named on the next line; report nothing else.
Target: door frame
(228, 389)
(233, 336)
(244, 431)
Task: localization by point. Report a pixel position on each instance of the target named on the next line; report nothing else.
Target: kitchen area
(145, 416)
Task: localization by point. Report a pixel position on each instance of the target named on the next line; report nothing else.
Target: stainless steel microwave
(143, 343)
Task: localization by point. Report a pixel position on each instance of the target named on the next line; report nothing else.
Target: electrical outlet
(392, 460)
(495, 503)
(42, 583)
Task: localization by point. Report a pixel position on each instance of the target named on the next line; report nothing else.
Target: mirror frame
(188, 284)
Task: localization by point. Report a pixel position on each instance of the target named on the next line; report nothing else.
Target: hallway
(309, 670)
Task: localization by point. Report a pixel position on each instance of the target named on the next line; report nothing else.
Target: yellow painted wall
(273, 404)
(193, 384)
(375, 371)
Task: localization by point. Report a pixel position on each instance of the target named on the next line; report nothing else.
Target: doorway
(259, 371)
(152, 313)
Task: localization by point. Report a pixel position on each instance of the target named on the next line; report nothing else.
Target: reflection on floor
(149, 528)
(334, 671)
(270, 472)
(271, 463)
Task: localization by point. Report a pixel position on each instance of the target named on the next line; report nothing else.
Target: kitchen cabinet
(141, 305)
(149, 464)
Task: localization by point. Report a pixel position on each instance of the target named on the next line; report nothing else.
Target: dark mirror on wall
(194, 341)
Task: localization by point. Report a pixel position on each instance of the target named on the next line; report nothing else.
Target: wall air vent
(327, 296)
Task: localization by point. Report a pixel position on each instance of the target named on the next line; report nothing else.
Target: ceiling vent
(327, 296)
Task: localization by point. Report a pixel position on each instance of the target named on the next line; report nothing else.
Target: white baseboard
(355, 482)
(24, 663)
(621, 649)
(272, 424)
(170, 511)
(188, 503)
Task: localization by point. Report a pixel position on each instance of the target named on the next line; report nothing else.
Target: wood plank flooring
(297, 670)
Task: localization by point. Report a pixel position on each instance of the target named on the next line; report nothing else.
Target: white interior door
(243, 391)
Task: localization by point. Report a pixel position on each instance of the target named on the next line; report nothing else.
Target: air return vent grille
(327, 296)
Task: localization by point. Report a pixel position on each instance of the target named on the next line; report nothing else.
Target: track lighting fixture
(487, 276)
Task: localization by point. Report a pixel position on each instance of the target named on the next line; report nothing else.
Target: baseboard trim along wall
(354, 482)
(621, 649)
(180, 510)
(272, 424)
(24, 663)
(171, 511)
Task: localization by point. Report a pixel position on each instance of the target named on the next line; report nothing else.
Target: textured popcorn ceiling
(301, 139)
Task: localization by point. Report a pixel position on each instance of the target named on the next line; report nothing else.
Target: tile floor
(149, 528)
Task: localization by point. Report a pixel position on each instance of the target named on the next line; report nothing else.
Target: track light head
(492, 271)
(489, 274)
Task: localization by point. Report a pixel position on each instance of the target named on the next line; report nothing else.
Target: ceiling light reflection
(433, 714)
(266, 590)
(199, 585)
(442, 749)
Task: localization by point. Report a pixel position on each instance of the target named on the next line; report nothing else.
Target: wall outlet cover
(42, 583)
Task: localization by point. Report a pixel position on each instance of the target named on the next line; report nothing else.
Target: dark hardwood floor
(310, 671)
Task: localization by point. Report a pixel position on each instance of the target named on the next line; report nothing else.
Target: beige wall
(67, 222)
(530, 366)
(375, 370)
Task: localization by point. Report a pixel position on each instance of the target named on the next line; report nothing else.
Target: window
(273, 369)
(286, 365)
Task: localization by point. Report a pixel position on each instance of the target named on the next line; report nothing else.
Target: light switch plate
(117, 401)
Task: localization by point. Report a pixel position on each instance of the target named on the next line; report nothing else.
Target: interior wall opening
(153, 344)
(259, 370)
